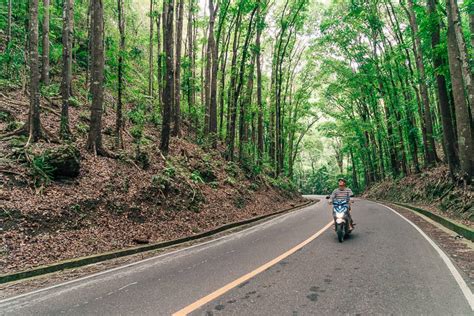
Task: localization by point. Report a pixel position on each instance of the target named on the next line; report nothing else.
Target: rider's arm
(351, 194)
(333, 195)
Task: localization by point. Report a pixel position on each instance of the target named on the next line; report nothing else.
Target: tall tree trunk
(212, 64)
(224, 54)
(463, 124)
(159, 63)
(9, 22)
(168, 93)
(471, 23)
(207, 77)
(89, 42)
(34, 123)
(94, 141)
(260, 21)
(203, 96)
(442, 92)
(177, 82)
(430, 151)
(189, 53)
(68, 25)
(150, 54)
(355, 183)
(45, 57)
(231, 139)
(119, 117)
(245, 106)
(231, 107)
(414, 131)
(466, 68)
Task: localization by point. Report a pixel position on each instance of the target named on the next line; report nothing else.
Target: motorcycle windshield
(340, 206)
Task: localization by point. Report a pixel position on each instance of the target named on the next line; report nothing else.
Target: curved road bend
(385, 267)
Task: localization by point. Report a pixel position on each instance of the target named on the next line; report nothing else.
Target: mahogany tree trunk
(259, 89)
(34, 123)
(177, 81)
(463, 54)
(68, 24)
(463, 124)
(119, 118)
(168, 93)
(449, 137)
(9, 22)
(212, 63)
(150, 54)
(45, 57)
(94, 141)
(430, 152)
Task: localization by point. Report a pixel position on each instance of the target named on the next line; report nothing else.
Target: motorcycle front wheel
(340, 232)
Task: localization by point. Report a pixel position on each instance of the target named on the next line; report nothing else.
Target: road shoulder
(459, 249)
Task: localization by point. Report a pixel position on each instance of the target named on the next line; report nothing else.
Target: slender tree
(463, 122)
(466, 67)
(430, 152)
(238, 87)
(260, 21)
(34, 123)
(9, 22)
(168, 93)
(177, 75)
(94, 141)
(159, 61)
(67, 35)
(119, 117)
(211, 72)
(471, 21)
(150, 52)
(442, 91)
(45, 55)
(189, 54)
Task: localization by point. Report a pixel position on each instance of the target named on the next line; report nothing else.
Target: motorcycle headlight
(339, 215)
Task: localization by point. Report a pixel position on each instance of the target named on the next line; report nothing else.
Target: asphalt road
(385, 267)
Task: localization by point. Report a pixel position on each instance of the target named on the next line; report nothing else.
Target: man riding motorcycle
(343, 193)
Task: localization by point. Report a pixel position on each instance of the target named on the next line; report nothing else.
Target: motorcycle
(341, 218)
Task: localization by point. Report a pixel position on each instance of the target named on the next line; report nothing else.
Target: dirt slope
(117, 203)
(433, 190)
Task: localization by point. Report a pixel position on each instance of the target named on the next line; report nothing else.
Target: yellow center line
(210, 297)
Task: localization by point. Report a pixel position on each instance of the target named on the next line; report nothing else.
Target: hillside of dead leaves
(140, 197)
(433, 190)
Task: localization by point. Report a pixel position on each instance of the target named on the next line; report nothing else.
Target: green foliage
(161, 181)
(232, 169)
(18, 142)
(82, 128)
(230, 181)
(12, 125)
(214, 184)
(41, 171)
(284, 184)
(169, 171)
(196, 177)
(50, 90)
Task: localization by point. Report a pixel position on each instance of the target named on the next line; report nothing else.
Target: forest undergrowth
(139, 197)
(433, 190)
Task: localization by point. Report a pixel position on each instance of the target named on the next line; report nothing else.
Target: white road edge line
(457, 276)
(6, 300)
